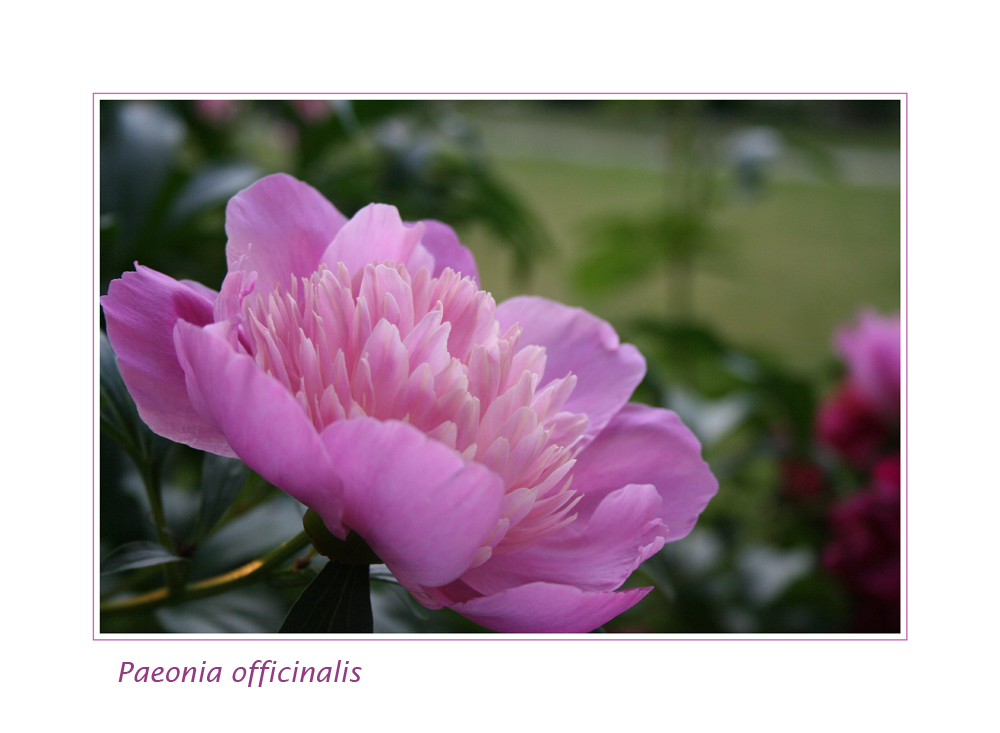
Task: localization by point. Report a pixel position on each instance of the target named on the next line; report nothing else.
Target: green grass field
(793, 263)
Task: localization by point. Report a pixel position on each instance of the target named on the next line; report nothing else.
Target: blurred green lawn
(795, 262)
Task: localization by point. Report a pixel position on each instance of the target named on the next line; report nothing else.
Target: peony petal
(421, 508)
(623, 531)
(647, 445)
(389, 363)
(545, 608)
(279, 227)
(264, 424)
(373, 235)
(201, 289)
(578, 342)
(442, 242)
(420, 257)
(140, 310)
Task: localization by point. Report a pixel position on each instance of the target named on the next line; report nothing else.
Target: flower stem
(245, 575)
(151, 480)
(131, 580)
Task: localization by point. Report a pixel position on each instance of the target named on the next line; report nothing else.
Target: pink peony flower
(871, 350)
(486, 453)
(861, 420)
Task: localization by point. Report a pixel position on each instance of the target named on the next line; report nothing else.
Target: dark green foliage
(221, 482)
(120, 419)
(167, 172)
(136, 555)
(338, 601)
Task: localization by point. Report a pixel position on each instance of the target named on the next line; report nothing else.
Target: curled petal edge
(647, 445)
(578, 342)
(262, 421)
(597, 555)
(425, 511)
(279, 227)
(441, 241)
(547, 608)
(140, 311)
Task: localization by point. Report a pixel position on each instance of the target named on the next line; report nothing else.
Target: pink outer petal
(442, 242)
(264, 424)
(202, 289)
(647, 445)
(600, 555)
(544, 608)
(374, 234)
(422, 509)
(140, 310)
(578, 342)
(280, 226)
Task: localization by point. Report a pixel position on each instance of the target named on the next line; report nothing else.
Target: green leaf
(117, 409)
(221, 482)
(291, 577)
(253, 610)
(338, 601)
(694, 356)
(619, 250)
(120, 419)
(136, 555)
(500, 209)
(793, 402)
(211, 186)
(138, 149)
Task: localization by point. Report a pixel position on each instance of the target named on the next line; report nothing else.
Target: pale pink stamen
(427, 351)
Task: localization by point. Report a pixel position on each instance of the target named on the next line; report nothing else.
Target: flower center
(427, 351)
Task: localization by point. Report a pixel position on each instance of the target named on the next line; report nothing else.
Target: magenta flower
(871, 350)
(864, 550)
(861, 420)
(847, 423)
(486, 453)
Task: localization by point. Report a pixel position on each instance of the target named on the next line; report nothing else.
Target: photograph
(520, 365)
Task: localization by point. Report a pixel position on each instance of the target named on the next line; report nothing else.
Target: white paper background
(54, 676)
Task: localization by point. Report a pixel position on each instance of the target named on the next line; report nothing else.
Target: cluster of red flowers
(861, 423)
